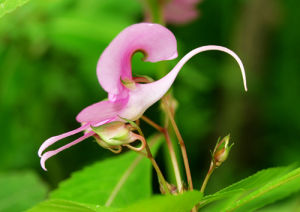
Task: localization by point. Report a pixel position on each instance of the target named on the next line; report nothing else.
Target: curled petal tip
(234, 55)
(155, 90)
(54, 139)
(47, 155)
(245, 85)
(43, 160)
(222, 49)
(46, 143)
(242, 69)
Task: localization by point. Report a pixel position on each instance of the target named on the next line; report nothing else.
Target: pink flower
(173, 11)
(126, 97)
(180, 11)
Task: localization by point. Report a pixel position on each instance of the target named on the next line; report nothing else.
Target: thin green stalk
(171, 151)
(156, 11)
(209, 173)
(160, 176)
(182, 145)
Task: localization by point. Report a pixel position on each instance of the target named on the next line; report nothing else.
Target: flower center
(131, 83)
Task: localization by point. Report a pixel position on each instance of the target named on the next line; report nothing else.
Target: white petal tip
(46, 144)
(245, 87)
(43, 160)
(44, 167)
(40, 152)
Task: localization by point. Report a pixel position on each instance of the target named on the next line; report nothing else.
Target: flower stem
(153, 124)
(156, 11)
(171, 151)
(182, 145)
(210, 171)
(160, 176)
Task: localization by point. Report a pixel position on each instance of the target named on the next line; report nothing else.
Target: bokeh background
(48, 55)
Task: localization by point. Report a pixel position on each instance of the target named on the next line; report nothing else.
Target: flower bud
(113, 133)
(116, 134)
(221, 151)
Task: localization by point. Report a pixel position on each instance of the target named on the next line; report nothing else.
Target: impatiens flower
(174, 11)
(180, 11)
(127, 98)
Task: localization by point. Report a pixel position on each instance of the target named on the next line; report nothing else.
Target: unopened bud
(222, 150)
(113, 133)
(116, 134)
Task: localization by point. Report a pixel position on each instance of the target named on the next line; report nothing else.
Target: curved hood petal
(155, 41)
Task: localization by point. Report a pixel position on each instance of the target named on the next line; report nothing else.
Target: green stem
(182, 145)
(209, 173)
(155, 7)
(171, 151)
(162, 180)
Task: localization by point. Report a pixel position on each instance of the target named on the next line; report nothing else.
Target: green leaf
(68, 206)
(7, 6)
(117, 181)
(290, 204)
(179, 203)
(272, 191)
(256, 191)
(20, 191)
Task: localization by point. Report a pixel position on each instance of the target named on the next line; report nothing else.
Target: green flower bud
(222, 150)
(114, 133)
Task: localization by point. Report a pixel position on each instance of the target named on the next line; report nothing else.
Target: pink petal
(156, 41)
(54, 139)
(147, 94)
(186, 2)
(101, 111)
(49, 154)
(186, 9)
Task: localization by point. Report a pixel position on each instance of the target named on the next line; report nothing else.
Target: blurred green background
(48, 55)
